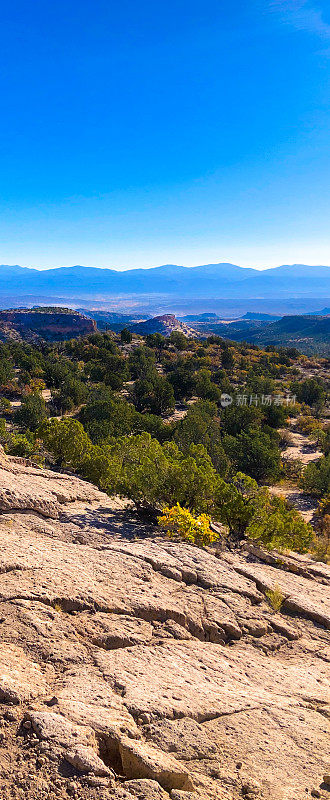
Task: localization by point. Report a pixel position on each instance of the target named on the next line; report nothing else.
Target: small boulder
(53, 727)
(84, 759)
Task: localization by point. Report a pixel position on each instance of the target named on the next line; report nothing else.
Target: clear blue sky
(164, 131)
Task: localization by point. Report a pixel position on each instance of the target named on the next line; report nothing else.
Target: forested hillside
(310, 334)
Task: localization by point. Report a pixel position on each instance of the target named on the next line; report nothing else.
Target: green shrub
(255, 513)
(236, 502)
(66, 440)
(201, 426)
(125, 336)
(292, 469)
(137, 467)
(254, 453)
(153, 394)
(277, 526)
(309, 391)
(4, 405)
(106, 415)
(3, 430)
(32, 411)
(275, 597)
(19, 445)
(316, 477)
(155, 474)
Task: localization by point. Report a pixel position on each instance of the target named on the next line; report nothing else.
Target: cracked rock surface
(135, 667)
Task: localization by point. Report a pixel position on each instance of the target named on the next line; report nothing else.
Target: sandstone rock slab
(20, 677)
(163, 660)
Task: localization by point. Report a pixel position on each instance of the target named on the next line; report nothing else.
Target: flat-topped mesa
(123, 653)
(50, 324)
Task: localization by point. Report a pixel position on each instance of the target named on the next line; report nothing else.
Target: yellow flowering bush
(178, 521)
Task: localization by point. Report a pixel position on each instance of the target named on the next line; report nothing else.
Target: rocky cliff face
(135, 667)
(165, 324)
(50, 325)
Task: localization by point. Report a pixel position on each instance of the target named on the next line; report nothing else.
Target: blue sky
(186, 131)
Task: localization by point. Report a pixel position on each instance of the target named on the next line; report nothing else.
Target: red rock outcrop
(165, 324)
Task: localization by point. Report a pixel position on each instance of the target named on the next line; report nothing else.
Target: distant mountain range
(20, 285)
